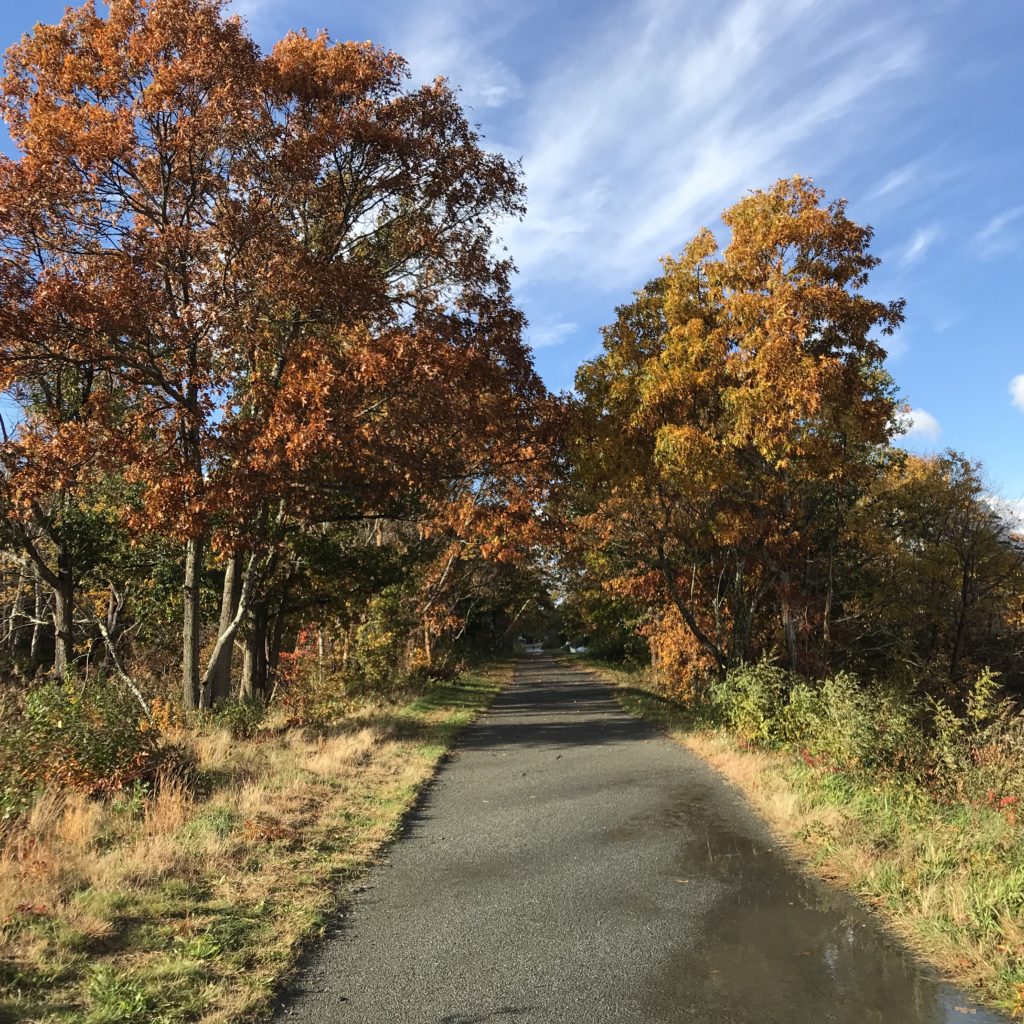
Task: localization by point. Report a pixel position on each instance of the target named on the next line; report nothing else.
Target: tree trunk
(254, 665)
(36, 643)
(789, 631)
(826, 633)
(17, 613)
(276, 640)
(191, 695)
(114, 605)
(960, 625)
(275, 636)
(219, 687)
(63, 615)
(320, 656)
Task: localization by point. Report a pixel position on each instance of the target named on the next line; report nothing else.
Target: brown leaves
(277, 268)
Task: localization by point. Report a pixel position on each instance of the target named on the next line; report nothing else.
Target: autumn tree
(931, 576)
(284, 263)
(736, 414)
(128, 126)
(382, 306)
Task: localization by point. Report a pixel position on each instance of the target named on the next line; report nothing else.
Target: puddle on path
(776, 947)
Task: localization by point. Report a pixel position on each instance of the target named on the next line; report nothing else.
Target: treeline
(735, 493)
(267, 412)
(265, 394)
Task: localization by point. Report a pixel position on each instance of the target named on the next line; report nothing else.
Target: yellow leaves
(735, 395)
(685, 449)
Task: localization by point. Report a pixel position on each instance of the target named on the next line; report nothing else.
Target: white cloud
(659, 119)
(922, 176)
(995, 238)
(456, 39)
(919, 244)
(549, 335)
(1017, 391)
(1010, 510)
(919, 425)
(896, 181)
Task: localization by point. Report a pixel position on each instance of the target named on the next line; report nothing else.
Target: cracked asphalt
(572, 866)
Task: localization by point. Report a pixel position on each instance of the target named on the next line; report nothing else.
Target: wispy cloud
(1017, 391)
(921, 241)
(548, 335)
(919, 425)
(658, 120)
(996, 238)
(458, 39)
(920, 178)
(896, 181)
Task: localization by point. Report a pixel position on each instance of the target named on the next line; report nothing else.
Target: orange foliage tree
(282, 265)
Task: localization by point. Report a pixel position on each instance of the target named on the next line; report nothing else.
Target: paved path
(570, 865)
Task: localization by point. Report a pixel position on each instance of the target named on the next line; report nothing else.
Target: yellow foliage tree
(738, 411)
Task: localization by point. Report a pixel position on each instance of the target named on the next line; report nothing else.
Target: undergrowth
(187, 896)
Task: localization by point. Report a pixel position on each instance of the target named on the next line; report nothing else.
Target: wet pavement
(572, 865)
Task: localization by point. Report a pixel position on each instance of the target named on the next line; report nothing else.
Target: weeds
(90, 737)
(189, 898)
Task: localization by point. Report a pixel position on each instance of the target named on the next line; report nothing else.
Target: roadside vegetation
(191, 897)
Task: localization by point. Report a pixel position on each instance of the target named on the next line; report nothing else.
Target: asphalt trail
(571, 866)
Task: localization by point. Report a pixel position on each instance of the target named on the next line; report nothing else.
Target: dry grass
(191, 903)
(939, 876)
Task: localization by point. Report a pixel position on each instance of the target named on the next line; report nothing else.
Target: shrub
(308, 696)
(979, 758)
(678, 662)
(89, 736)
(241, 718)
(750, 701)
(381, 642)
(845, 725)
(839, 723)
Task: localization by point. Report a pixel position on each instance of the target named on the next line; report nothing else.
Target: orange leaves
(328, 76)
(278, 266)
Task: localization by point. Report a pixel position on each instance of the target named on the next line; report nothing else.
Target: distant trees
(732, 467)
(255, 295)
(933, 574)
(263, 378)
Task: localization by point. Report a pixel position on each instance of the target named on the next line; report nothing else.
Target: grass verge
(193, 903)
(944, 877)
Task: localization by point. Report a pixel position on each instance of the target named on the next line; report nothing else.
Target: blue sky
(637, 122)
